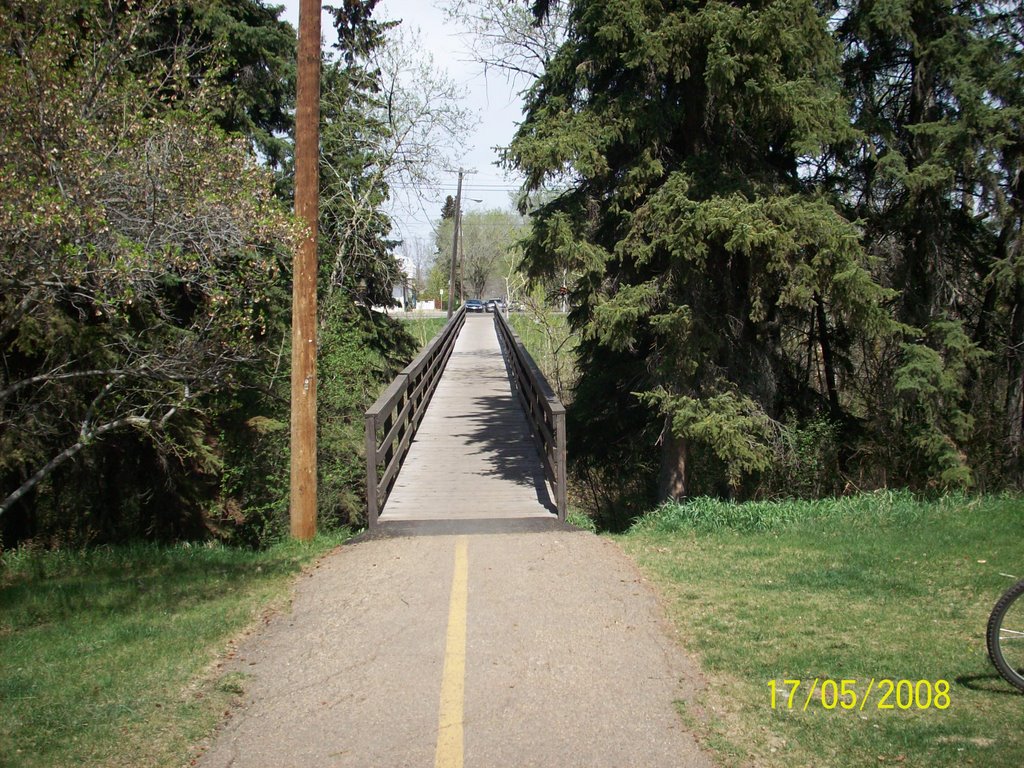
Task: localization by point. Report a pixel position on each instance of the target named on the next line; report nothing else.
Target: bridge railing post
(561, 491)
(372, 507)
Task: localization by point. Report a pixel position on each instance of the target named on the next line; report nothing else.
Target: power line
(471, 187)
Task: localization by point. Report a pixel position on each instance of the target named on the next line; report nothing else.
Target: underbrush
(422, 329)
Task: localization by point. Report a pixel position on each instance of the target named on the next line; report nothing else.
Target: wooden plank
(389, 396)
(372, 505)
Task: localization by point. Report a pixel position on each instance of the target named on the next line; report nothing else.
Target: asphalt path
(496, 643)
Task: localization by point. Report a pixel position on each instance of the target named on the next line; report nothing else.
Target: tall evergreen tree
(448, 209)
(242, 49)
(355, 250)
(717, 289)
(937, 102)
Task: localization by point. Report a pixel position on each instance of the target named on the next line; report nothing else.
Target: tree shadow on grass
(56, 588)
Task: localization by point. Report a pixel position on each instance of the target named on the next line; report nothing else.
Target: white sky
(492, 98)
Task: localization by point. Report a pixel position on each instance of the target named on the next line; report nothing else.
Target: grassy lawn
(878, 586)
(108, 656)
(423, 329)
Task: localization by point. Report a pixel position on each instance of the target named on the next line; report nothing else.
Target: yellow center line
(453, 679)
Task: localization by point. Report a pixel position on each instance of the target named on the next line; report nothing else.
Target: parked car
(474, 305)
(491, 304)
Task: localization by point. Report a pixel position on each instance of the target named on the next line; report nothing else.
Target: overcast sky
(492, 98)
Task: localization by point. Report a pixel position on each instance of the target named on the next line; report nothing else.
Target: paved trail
(481, 643)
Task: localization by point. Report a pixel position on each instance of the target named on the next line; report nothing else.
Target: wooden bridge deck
(473, 456)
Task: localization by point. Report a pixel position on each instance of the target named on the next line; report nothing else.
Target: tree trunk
(1015, 385)
(835, 411)
(672, 484)
(921, 271)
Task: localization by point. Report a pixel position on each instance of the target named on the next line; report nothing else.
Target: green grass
(876, 586)
(423, 329)
(581, 520)
(108, 656)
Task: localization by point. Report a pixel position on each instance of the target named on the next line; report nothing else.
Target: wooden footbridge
(469, 430)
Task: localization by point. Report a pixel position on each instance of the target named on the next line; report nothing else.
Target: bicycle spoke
(1005, 645)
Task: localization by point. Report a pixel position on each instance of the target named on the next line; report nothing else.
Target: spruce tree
(717, 290)
(933, 176)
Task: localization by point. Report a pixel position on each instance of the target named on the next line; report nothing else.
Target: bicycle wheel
(1005, 635)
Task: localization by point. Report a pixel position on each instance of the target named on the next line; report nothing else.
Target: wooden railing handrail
(544, 411)
(392, 421)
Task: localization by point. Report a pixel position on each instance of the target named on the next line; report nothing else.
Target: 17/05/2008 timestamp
(857, 695)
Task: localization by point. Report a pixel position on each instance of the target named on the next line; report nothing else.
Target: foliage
(144, 307)
(251, 504)
(804, 463)
(360, 353)
(487, 245)
(703, 260)
(931, 175)
(422, 329)
(241, 50)
(140, 250)
(385, 112)
(733, 428)
(354, 243)
(551, 343)
(503, 36)
(770, 219)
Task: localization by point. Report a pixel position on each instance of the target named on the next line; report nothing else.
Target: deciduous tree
(139, 248)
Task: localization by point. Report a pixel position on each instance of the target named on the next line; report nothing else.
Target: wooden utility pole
(455, 243)
(304, 273)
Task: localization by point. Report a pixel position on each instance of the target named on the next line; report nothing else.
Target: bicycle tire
(1006, 641)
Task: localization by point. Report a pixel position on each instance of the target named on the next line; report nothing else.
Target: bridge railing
(544, 410)
(392, 421)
